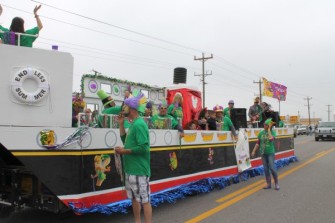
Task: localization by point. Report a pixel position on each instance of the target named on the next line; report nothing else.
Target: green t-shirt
(265, 145)
(111, 111)
(178, 113)
(137, 139)
(226, 112)
(227, 124)
(160, 122)
(24, 40)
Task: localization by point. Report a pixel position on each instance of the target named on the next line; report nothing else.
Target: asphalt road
(306, 195)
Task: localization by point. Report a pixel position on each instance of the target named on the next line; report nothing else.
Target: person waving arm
(38, 20)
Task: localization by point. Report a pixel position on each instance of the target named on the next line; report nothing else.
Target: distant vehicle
(302, 130)
(325, 130)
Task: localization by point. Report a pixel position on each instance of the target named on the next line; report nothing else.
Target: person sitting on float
(110, 108)
(218, 109)
(128, 93)
(164, 121)
(202, 119)
(148, 110)
(176, 108)
(148, 115)
(211, 121)
(227, 110)
(17, 26)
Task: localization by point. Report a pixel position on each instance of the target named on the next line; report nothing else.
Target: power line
(119, 27)
(115, 54)
(238, 67)
(100, 32)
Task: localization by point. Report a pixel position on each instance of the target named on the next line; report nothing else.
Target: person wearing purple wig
(136, 156)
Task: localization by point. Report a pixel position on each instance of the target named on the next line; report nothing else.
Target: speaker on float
(179, 75)
(239, 117)
(276, 118)
(273, 115)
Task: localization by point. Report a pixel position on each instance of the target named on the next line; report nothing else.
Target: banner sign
(274, 90)
(294, 119)
(242, 151)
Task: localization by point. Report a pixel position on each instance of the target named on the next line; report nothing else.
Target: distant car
(302, 130)
(325, 130)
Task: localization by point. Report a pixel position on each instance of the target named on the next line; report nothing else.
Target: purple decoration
(93, 86)
(133, 102)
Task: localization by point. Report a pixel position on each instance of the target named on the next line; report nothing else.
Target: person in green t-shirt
(229, 126)
(136, 156)
(226, 111)
(17, 26)
(266, 146)
(110, 108)
(164, 121)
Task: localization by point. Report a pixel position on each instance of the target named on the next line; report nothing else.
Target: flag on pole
(274, 90)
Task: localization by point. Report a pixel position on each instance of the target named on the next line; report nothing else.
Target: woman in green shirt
(17, 26)
(265, 143)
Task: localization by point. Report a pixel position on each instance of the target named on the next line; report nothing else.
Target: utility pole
(203, 75)
(328, 112)
(309, 111)
(260, 88)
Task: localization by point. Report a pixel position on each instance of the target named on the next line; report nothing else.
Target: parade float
(47, 164)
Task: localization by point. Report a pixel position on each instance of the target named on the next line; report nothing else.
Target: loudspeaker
(273, 115)
(239, 117)
(276, 118)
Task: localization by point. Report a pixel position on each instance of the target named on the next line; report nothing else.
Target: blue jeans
(269, 165)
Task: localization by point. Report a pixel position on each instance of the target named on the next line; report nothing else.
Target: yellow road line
(252, 191)
(231, 195)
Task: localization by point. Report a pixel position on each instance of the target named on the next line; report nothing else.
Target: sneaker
(277, 187)
(267, 187)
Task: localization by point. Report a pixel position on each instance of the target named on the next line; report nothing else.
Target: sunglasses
(163, 108)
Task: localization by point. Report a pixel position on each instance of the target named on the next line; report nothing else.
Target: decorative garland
(105, 78)
(171, 195)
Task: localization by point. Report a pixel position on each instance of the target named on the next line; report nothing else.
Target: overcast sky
(290, 42)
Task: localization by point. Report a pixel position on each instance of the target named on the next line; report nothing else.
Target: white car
(302, 130)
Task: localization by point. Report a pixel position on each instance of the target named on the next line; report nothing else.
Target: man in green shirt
(17, 26)
(136, 156)
(226, 111)
(229, 126)
(265, 143)
(109, 109)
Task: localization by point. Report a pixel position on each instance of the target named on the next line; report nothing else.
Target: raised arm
(39, 23)
(0, 9)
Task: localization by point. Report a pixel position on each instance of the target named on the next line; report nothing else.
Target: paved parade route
(306, 195)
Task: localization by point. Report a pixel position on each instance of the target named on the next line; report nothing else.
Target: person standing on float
(265, 143)
(17, 26)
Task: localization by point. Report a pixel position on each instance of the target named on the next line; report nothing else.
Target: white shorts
(138, 188)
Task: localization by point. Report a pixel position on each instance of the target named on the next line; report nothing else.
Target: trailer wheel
(316, 139)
